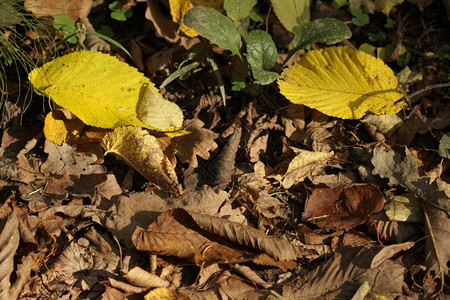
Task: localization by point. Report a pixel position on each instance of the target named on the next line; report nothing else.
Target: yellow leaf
(58, 129)
(386, 5)
(154, 109)
(342, 82)
(99, 89)
(292, 13)
(141, 151)
(178, 9)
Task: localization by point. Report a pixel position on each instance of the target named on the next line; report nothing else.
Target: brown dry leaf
(294, 121)
(437, 244)
(59, 129)
(142, 278)
(304, 164)
(75, 9)
(342, 274)
(342, 208)
(9, 242)
(63, 159)
(205, 239)
(199, 143)
(140, 209)
(141, 151)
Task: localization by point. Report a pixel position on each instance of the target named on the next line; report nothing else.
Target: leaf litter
(259, 199)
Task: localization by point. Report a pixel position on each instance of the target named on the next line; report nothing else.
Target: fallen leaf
(342, 274)
(342, 208)
(386, 5)
(75, 9)
(291, 13)
(202, 238)
(142, 278)
(141, 151)
(104, 92)
(58, 129)
(9, 242)
(342, 82)
(404, 208)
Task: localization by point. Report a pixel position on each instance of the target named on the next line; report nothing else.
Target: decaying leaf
(9, 241)
(342, 274)
(202, 238)
(342, 82)
(74, 9)
(386, 5)
(305, 164)
(342, 208)
(142, 278)
(104, 92)
(141, 151)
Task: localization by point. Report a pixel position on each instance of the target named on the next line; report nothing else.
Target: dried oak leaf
(141, 151)
(342, 208)
(9, 241)
(199, 143)
(203, 238)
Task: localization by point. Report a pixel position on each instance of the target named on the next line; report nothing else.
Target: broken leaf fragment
(141, 151)
(59, 129)
(342, 82)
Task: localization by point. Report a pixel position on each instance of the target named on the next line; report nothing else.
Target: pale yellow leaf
(142, 278)
(342, 82)
(141, 151)
(292, 13)
(386, 5)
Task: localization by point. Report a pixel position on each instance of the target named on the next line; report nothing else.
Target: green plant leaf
(214, 26)
(292, 13)
(263, 76)
(180, 72)
(239, 9)
(261, 50)
(328, 31)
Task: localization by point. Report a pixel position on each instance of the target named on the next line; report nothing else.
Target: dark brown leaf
(342, 208)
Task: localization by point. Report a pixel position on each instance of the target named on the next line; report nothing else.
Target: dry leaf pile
(259, 199)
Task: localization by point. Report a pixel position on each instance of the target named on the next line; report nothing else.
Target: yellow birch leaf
(58, 129)
(178, 9)
(342, 82)
(141, 151)
(102, 91)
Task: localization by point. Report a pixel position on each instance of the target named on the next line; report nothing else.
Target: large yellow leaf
(104, 92)
(342, 82)
(141, 151)
(178, 9)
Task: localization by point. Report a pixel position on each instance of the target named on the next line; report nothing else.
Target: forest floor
(270, 199)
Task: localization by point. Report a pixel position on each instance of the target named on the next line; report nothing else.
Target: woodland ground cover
(224, 149)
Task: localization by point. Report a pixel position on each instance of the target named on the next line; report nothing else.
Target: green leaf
(328, 31)
(444, 145)
(261, 50)
(292, 13)
(239, 9)
(214, 26)
(256, 15)
(263, 76)
(180, 72)
(62, 22)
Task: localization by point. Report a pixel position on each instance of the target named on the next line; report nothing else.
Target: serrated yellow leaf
(100, 90)
(178, 9)
(342, 82)
(141, 151)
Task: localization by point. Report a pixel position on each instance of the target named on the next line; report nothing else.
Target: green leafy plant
(361, 17)
(118, 12)
(67, 26)
(259, 53)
